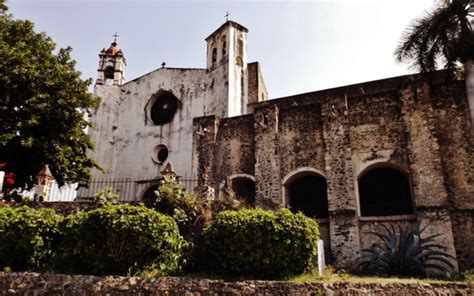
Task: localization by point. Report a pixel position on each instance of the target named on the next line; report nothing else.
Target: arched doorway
(149, 197)
(305, 190)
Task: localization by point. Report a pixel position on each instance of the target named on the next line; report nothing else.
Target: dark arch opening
(308, 194)
(214, 55)
(385, 192)
(164, 108)
(244, 190)
(109, 74)
(149, 196)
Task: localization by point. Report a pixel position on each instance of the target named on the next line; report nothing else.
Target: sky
(301, 46)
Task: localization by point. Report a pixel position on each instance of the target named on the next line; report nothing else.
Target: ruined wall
(416, 124)
(55, 284)
(377, 131)
(257, 89)
(300, 139)
(234, 149)
(463, 225)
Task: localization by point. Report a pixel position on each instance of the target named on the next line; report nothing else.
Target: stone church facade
(393, 151)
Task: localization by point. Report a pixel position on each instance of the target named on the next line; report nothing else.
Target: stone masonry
(418, 124)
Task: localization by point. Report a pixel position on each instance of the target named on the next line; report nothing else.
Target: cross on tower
(115, 36)
(227, 14)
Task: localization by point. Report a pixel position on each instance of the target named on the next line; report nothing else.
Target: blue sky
(301, 45)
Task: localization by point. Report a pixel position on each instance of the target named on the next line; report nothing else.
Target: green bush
(261, 244)
(27, 237)
(172, 199)
(120, 239)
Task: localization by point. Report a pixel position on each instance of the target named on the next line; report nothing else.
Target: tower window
(239, 62)
(164, 108)
(214, 55)
(224, 45)
(109, 75)
(384, 192)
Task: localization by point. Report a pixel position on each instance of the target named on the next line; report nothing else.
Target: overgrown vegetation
(403, 252)
(27, 237)
(120, 239)
(261, 244)
(172, 199)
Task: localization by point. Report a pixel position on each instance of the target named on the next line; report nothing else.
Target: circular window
(160, 154)
(164, 108)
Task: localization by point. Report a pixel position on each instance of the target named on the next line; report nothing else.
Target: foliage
(3, 6)
(444, 33)
(27, 237)
(43, 107)
(403, 252)
(106, 197)
(120, 239)
(262, 244)
(172, 199)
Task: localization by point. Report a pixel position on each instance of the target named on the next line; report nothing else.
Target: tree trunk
(469, 78)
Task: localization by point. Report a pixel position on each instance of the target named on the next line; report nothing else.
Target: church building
(355, 158)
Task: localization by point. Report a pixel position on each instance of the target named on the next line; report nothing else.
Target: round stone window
(163, 108)
(160, 154)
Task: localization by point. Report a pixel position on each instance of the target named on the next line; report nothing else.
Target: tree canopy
(44, 105)
(443, 35)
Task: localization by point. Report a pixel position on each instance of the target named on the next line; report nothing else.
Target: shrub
(120, 239)
(261, 244)
(27, 237)
(172, 199)
(402, 252)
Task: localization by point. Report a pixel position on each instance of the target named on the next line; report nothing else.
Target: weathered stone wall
(463, 225)
(257, 89)
(53, 284)
(417, 124)
(300, 139)
(234, 148)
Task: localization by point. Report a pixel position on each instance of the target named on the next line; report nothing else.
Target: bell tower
(227, 57)
(111, 65)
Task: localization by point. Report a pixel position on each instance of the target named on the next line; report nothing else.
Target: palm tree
(443, 35)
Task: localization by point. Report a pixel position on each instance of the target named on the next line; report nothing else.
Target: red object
(10, 178)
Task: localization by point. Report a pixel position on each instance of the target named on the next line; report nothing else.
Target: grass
(330, 275)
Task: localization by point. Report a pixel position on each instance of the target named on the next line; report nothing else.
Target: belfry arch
(305, 190)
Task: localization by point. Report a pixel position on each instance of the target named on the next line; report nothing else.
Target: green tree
(443, 35)
(43, 105)
(3, 6)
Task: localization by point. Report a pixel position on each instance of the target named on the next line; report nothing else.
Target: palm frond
(442, 34)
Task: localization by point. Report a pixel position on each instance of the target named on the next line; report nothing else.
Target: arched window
(239, 62)
(224, 45)
(214, 55)
(306, 192)
(385, 191)
(109, 75)
(165, 105)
